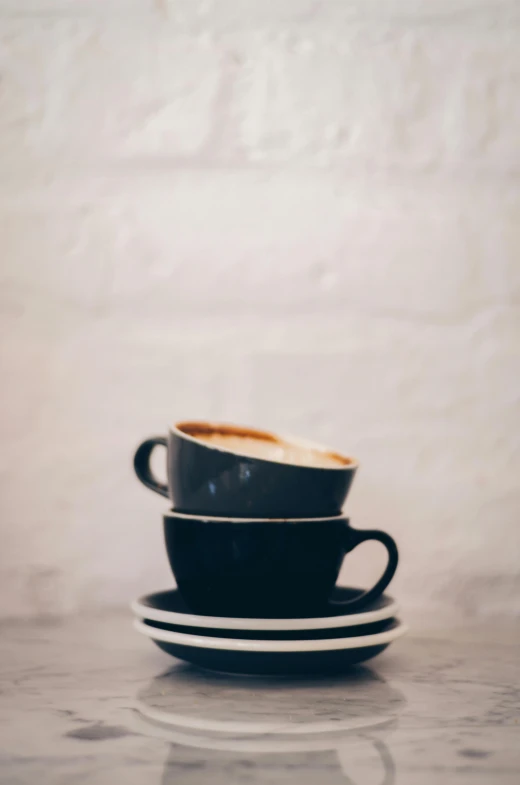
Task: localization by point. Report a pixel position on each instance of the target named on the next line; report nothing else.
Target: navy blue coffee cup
(259, 568)
(234, 471)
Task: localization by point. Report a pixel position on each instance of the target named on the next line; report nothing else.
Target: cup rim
(222, 519)
(345, 462)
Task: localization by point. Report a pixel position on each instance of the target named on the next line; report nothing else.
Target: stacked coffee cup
(256, 540)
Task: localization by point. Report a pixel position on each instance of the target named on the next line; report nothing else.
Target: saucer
(168, 607)
(270, 657)
(359, 630)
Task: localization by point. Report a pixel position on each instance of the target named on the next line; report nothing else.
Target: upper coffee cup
(232, 470)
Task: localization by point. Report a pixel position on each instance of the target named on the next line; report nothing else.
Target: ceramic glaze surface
(264, 568)
(169, 607)
(208, 479)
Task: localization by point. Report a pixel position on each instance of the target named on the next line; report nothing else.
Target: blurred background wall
(301, 215)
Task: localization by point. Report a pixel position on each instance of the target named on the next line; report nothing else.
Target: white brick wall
(293, 214)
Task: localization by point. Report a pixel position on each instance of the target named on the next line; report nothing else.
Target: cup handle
(142, 465)
(355, 538)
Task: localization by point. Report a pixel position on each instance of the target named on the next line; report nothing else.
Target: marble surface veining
(87, 700)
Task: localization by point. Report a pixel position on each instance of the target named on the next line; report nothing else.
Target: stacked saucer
(256, 541)
(330, 642)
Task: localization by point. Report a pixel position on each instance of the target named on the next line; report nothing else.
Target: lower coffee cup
(270, 568)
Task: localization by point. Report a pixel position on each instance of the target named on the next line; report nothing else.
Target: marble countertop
(87, 700)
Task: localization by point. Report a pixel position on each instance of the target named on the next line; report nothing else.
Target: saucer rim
(143, 611)
(269, 646)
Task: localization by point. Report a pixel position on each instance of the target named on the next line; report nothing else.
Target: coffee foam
(273, 449)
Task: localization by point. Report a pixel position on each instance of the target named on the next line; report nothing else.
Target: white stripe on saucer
(144, 611)
(234, 644)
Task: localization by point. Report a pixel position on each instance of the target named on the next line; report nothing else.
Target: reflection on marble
(288, 752)
(306, 767)
(300, 705)
(88, 701)
(293, 722)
